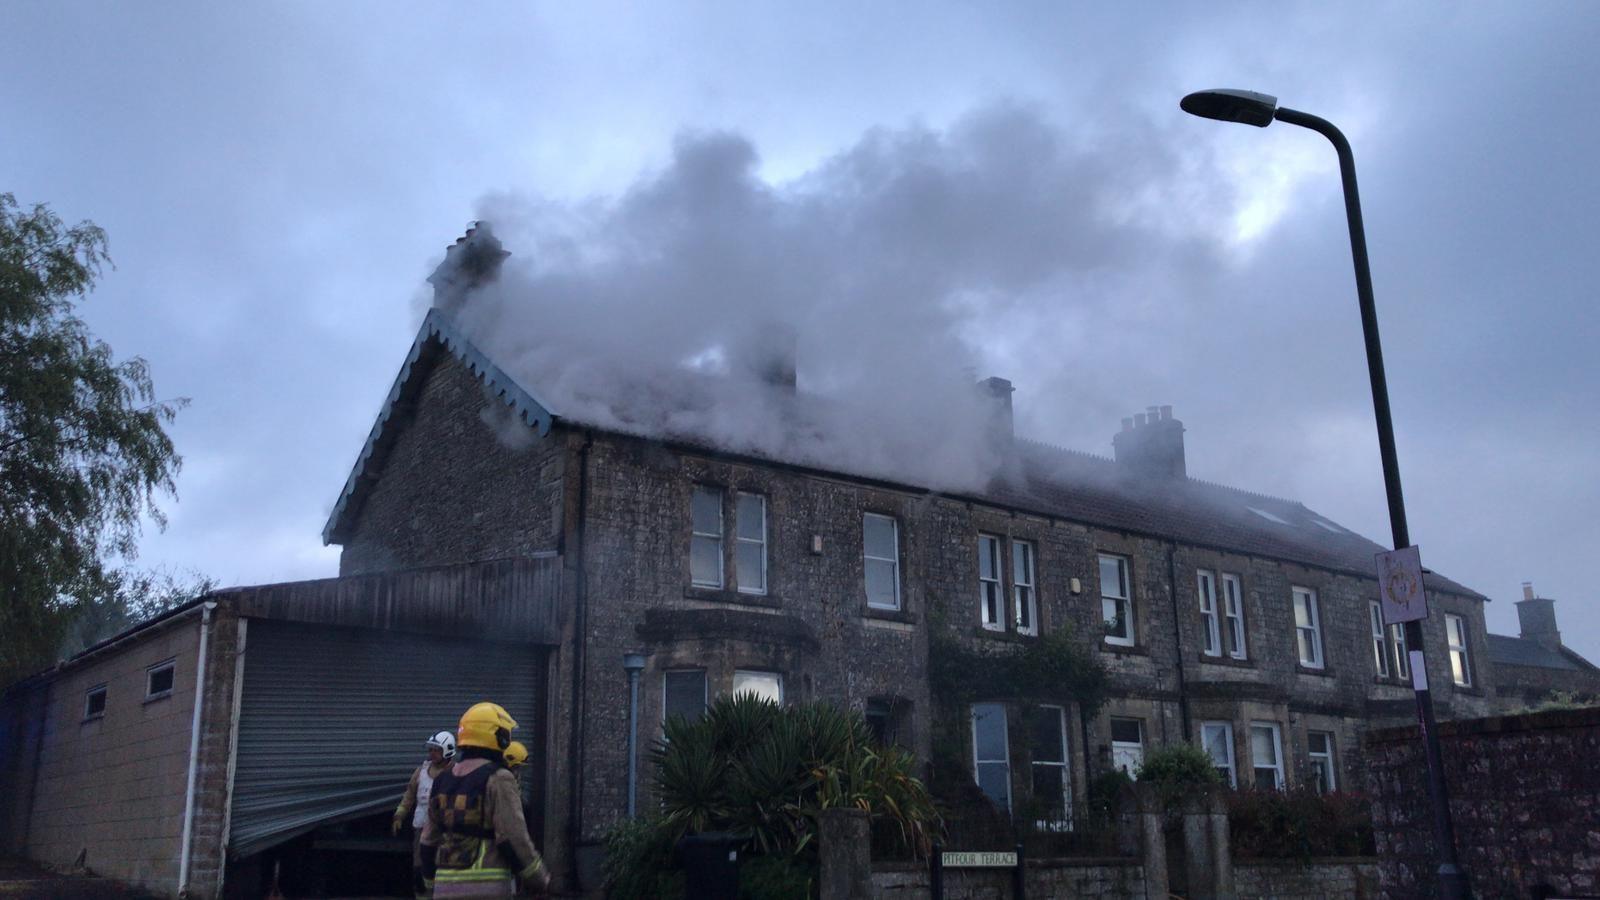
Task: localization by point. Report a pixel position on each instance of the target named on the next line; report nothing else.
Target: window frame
(733, 688)
(1314, 614)
(739, 540)
(1232, 766)
(101, 690)
(1278, 768)
(1205, 583)
(1460, 653)
(695, 534)
(989, 613)
(1233, 616)
(1380, 638)
(1325, 758)
(1124, 746)
(1125, 575)
(1402, 656)
(1030, 599)
(866, 558)
(151, 671)
(1004, 761)
(1063, 770)
(705, 690)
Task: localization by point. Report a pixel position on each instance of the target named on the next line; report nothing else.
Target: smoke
(893, 269)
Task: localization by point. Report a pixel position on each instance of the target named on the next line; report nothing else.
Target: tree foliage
(84, 452)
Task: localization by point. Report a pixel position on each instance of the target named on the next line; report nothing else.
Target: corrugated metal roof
(1506, 650)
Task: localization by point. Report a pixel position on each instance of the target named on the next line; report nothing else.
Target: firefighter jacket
(476, 835)
(414, 805)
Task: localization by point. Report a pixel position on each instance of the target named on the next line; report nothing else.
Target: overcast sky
(277, 183)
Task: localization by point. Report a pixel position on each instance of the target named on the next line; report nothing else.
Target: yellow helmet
(485, 725)
(516, 754)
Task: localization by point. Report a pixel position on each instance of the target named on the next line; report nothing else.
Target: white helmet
(445, 742)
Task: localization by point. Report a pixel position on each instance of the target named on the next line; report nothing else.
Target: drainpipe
(194, 749)
(1177, 635)
(579, 642)
(633, 662)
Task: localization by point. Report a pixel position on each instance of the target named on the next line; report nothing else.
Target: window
(158, 679)
(1233, 609)
(1319, 747)
(705, 545)
(989, 582)
(684, 693)
(991, 757)
(885, 717)
(1206, 583)
(1023, 606)
(1380, 651)
(1116, 600)
(1402, 659)
(94, 702)
(766, 685)
(1266, 754)
(1455, 632)
(881, 555)
(1308, 627)
(750, 544)
(1217, 739)
(1052, 786)
(1127, 745)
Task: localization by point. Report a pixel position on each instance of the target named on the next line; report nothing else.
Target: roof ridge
(1069, 451)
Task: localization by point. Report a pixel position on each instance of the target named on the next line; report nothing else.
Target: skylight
(1329, 526)
(1268, 516)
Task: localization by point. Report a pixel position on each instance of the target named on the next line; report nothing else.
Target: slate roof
(1505, 650)
(1046, 480)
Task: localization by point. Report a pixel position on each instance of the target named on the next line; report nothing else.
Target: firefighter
(413, 808)
(475, 842)
(516, 755)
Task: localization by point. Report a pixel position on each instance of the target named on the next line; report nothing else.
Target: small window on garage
(159, 678)
(94, 702)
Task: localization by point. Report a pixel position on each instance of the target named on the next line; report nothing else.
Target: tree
(84, 452)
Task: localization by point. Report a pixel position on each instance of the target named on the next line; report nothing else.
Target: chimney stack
(1000, 422)
(472, 261)
(1536, 617)
(770, 353)
(1151, 446)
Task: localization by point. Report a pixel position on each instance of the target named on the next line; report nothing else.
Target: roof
(1045, 480)
(1505, 650)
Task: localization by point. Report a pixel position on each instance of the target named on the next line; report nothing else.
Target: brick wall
(1525, 797)
(111, 788)
(1112, 878)
(1318, 879)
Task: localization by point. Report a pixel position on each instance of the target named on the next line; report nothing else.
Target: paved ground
(21, 879)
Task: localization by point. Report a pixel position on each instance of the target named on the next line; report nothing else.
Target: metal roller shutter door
(332, 720)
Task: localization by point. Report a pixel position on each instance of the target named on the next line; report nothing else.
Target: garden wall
(1524, 793)
(1089, 877)
(1291, 879)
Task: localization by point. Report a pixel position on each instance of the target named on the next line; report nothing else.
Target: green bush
(639, 863)
(1299, 824)
(777, 878)
(1178, 771)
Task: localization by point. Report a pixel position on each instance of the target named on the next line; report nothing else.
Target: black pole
(1452, 883)
(1019, 879)
(936, 871)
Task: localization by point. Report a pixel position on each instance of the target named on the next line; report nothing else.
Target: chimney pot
(1527, 590)
(1536, 618)
(1138, 420)
(1166, 413)
(1151, 444)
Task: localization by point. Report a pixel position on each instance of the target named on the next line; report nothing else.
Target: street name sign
(1400, 586)
(967, 859)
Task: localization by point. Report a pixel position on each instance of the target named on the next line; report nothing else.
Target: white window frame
(1005, 761)
(1325, 758)
(1318, 659)
(1455, 635)
(1123, 603)
(894, 562)
(1233, 615)
(761, 675)
(740, 540)
(705, 689)
(1277, 751)
(990, 593)
(1024, 586)
(696, 535)
(1127, 748)
(1064, 772)
(1402, 659)
(1228, 765)
(1205, 583)
(100, 690)
(1380, 641)
(150, 673)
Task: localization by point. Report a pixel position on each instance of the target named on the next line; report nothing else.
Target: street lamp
(1260, 110)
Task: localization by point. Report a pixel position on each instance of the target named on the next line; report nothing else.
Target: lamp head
(1227, 105)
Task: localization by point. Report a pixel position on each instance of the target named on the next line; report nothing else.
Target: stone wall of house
(463, 481)
(1524, 794)
(1317, 879)
(109, 789)
(207, 847)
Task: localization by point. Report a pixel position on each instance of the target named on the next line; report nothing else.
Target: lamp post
(1260, 110)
